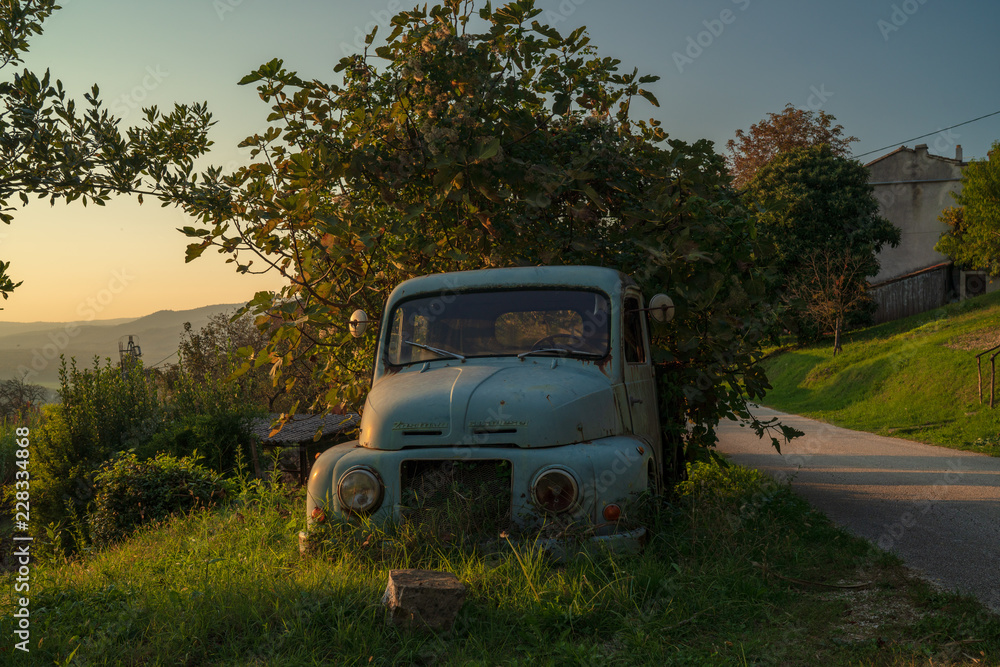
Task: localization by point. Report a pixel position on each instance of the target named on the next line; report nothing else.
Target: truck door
(640, 379)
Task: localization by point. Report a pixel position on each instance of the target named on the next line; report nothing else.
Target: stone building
(912, 187)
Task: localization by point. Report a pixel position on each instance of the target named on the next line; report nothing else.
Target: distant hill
(37, 345)
(10, 328)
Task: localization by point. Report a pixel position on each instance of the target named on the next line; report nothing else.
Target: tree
(512, 146)
(811, 202)
(781, 132)
(209, 350)
(211, 354)
(973, 236)
(51, 149)
(831, 285)
(18, 396)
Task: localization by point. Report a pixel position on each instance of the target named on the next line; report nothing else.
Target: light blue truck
(527, 395)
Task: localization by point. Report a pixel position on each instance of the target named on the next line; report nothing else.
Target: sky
(888, 70)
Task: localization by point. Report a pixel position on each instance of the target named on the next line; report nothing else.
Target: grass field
(738, 571)
(914, 378)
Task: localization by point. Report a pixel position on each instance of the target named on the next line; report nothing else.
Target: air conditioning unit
(974, 283)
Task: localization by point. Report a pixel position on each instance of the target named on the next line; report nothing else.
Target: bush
(210, 413)
(131, 493)
(104, 411)
(220, 439)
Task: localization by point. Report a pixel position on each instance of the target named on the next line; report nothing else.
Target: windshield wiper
(437, 350)
(543, 350)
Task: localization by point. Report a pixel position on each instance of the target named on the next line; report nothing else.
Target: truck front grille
(457, 497)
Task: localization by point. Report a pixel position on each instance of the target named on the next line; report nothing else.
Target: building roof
(302, 428)
(952, 160)
(896, 279)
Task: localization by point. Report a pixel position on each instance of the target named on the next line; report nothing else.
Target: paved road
(937, 508)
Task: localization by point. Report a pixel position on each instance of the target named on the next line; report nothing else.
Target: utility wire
(898, 143)
(163, 359)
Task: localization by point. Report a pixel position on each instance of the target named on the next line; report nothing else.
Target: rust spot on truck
(605, 363)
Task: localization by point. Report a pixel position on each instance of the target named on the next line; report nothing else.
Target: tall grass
(737, 571)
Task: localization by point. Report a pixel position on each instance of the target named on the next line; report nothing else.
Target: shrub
(104, 411)
(220, 439)
(210, 412)
(131, 493)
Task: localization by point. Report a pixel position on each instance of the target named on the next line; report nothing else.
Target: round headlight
(555, 490)
(360, 491)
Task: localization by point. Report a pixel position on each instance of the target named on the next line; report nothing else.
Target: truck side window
(635, 350)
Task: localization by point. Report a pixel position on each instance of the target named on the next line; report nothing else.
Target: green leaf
(649, 96)
(560, 105)
(489, 150)
(194, 250)
(414, 211)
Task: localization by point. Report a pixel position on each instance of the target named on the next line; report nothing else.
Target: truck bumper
(607, 471)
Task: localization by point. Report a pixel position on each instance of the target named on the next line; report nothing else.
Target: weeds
(228, 587)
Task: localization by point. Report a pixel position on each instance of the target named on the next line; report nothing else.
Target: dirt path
(937, 508)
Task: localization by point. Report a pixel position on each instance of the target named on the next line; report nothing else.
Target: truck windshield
(557, 322)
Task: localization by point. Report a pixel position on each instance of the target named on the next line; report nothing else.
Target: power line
(163, 359)
(898, 143)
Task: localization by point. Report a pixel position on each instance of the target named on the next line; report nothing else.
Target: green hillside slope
(914, 378)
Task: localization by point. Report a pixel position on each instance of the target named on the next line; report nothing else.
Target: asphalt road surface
(937, 508)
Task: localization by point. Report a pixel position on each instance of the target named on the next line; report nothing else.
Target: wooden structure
(993, 372)
(299, 435)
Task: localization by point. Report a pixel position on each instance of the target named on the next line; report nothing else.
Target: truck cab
(520, 396)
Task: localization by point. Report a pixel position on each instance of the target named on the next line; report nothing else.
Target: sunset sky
(888, 70)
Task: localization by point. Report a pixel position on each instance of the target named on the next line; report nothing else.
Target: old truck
(523, 396)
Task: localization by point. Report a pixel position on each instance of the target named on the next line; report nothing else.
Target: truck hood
(530, 404)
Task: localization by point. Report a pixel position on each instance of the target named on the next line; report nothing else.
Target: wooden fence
(913, 293)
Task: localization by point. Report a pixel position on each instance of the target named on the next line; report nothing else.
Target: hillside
(12, 328)
(914, 378)
(37, 345)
